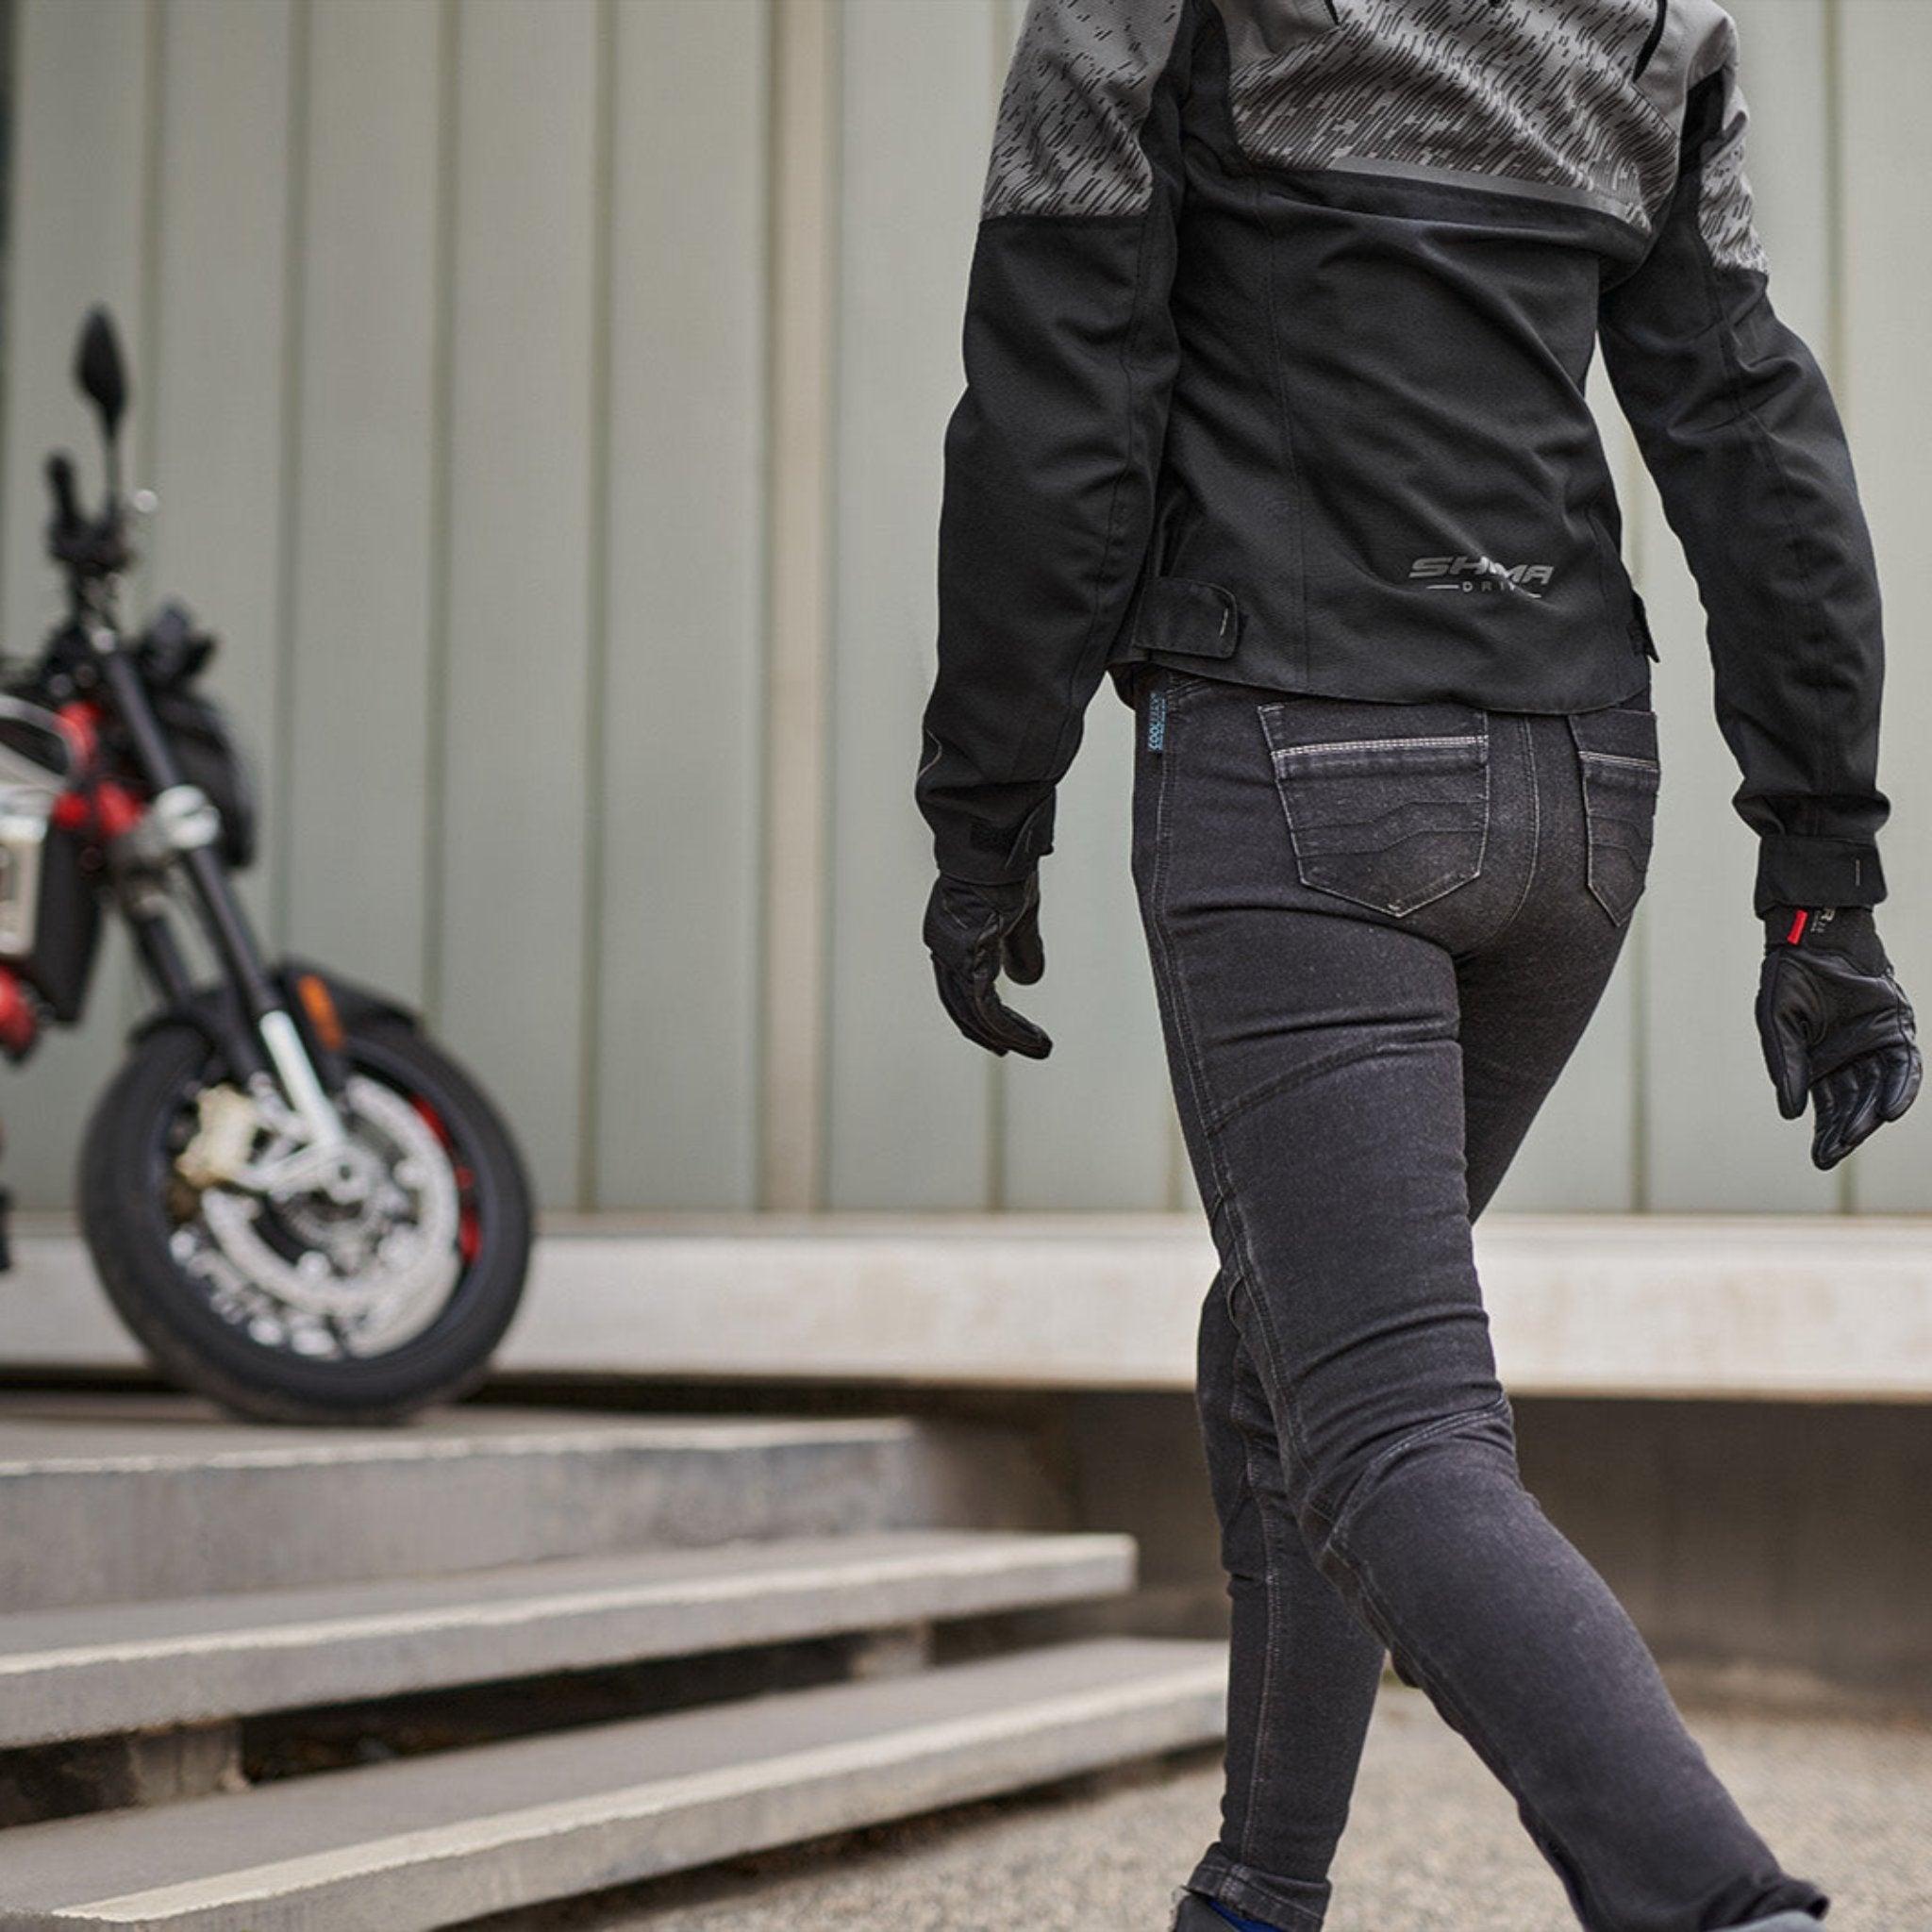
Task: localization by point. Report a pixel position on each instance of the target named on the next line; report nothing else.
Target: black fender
(213, 1012)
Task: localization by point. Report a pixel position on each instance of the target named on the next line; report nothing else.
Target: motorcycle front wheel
(381, 1288)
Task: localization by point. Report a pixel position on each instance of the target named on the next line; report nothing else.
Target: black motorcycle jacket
(1278, 333)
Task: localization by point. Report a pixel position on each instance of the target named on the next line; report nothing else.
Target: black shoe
(1193, 1913)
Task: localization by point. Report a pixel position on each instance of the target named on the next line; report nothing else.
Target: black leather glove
(972, 932)
(1834, 1025)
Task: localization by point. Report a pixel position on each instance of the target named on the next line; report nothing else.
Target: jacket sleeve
(1738, 430)
(1050, 457)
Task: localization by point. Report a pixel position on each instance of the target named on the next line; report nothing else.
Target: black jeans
(1377, 932)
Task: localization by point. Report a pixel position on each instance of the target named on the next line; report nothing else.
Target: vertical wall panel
(1884, 49)
(76, 236)
(514, 704)
(793, 897)
(214, 394)
(1090, 1127)
(1713, 1137)
(81, 108)
(909, 1097)
(677, 1078)
(1785, 65)
(360, 601)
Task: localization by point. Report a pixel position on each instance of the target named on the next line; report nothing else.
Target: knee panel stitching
(1364, 1484)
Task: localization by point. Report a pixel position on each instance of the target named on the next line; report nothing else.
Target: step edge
(88, 1678)
(695, 1436)
(445, 1589)
(1185, 1680)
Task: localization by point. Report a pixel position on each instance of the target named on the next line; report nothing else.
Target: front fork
(258, 1035)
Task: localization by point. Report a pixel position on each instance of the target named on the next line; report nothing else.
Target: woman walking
(1278, 329)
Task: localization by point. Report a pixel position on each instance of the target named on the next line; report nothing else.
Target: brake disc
(365, 1276)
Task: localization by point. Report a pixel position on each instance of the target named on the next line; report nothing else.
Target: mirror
(98, 369)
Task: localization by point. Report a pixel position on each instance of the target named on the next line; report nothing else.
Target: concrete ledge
(1749, 1307)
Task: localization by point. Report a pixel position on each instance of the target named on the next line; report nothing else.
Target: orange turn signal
(320, 1010)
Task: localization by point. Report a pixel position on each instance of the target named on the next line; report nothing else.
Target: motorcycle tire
(221, 1287)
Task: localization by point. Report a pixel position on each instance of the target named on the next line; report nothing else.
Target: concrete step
(129, 1498)
(82, 1673)
(429, 1842)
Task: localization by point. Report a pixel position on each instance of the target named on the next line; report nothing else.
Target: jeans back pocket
(1616, 752)
(1387, 805)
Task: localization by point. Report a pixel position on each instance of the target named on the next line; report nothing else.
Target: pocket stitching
(1477, 738)
(1307, 865)
(1601, 824)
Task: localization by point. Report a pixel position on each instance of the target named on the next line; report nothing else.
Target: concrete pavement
(1433, 1846)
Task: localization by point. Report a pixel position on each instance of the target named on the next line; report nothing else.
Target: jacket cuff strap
(986, 854)
(1797, 871)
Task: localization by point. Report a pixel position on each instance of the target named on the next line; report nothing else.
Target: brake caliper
(223, 1140)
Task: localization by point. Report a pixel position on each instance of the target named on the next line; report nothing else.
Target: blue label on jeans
(1157, 719)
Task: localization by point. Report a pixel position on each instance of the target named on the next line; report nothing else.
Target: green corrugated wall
(545, 397)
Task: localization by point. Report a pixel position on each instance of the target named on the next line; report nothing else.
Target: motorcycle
(299, 1205)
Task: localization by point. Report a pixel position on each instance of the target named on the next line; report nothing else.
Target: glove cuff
(1008, 898)
(1849, 931)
